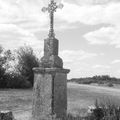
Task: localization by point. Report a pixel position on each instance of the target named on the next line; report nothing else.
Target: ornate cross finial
(51, 9)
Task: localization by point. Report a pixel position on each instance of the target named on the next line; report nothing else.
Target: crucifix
(51, 44)
(52, 7)
(50, 78)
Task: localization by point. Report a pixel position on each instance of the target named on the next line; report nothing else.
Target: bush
(110, 85)
(101, 80)
(27, 60)
(106, 110)
(4, 56)
(15, 80)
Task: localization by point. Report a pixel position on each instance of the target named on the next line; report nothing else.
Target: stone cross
(51, 44)
(50, 79)
(51, 9)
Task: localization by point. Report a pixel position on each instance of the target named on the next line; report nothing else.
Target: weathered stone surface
(51, 61)
(51, 58)
(50, 46)
(50, 80)
(60, 95)
(6, 115)
(50, 93)
(41, 96)
(50, 70)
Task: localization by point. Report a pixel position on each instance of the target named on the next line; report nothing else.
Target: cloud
(12, 37)
(77, 61)
(91, 14)
(22, 11)
(95, 14)
(115, 61)
(95, 2)
(101, 66)
(105, 35)
(71, 56)
(27, 14)
(107, 14)
(119, 71)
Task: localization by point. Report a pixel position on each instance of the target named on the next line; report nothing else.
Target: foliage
(106, 110)
(103, 79)
(2, 69)
(15, 80)
(20, 75)
(26, 62)
(110, 85)
(5, 57)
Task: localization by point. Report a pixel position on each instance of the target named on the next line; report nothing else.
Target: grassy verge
(79, 98)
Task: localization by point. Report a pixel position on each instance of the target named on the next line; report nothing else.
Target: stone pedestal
(51, 58)
(50, 93)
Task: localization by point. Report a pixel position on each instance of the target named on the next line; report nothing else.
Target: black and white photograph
(59, 59)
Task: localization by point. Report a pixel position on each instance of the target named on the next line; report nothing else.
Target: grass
(79, 98)
(82, 96)
(19, 101)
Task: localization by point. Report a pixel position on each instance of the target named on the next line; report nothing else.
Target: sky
(88, 32)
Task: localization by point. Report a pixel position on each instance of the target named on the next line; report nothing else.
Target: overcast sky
(88, 32)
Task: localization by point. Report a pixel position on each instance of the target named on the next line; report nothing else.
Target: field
(79, 97)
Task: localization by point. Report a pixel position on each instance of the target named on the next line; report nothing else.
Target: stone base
(52, 61)
(51, 58)
(50, 93)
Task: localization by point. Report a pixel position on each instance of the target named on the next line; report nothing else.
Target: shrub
(27, 60)
(15, 80)
(110, 85)
(100, 82)
(106, 110)
(101, 79)
(5, 56)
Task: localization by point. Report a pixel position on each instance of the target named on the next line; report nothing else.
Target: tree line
(99, 79)
(16, 67)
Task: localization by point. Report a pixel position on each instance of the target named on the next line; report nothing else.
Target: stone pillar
(50, 79)
(51, 58)
(50, 85)
(50, 93)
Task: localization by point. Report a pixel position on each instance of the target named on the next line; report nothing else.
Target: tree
(27, 60)
(2, 69)
(5, 56)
